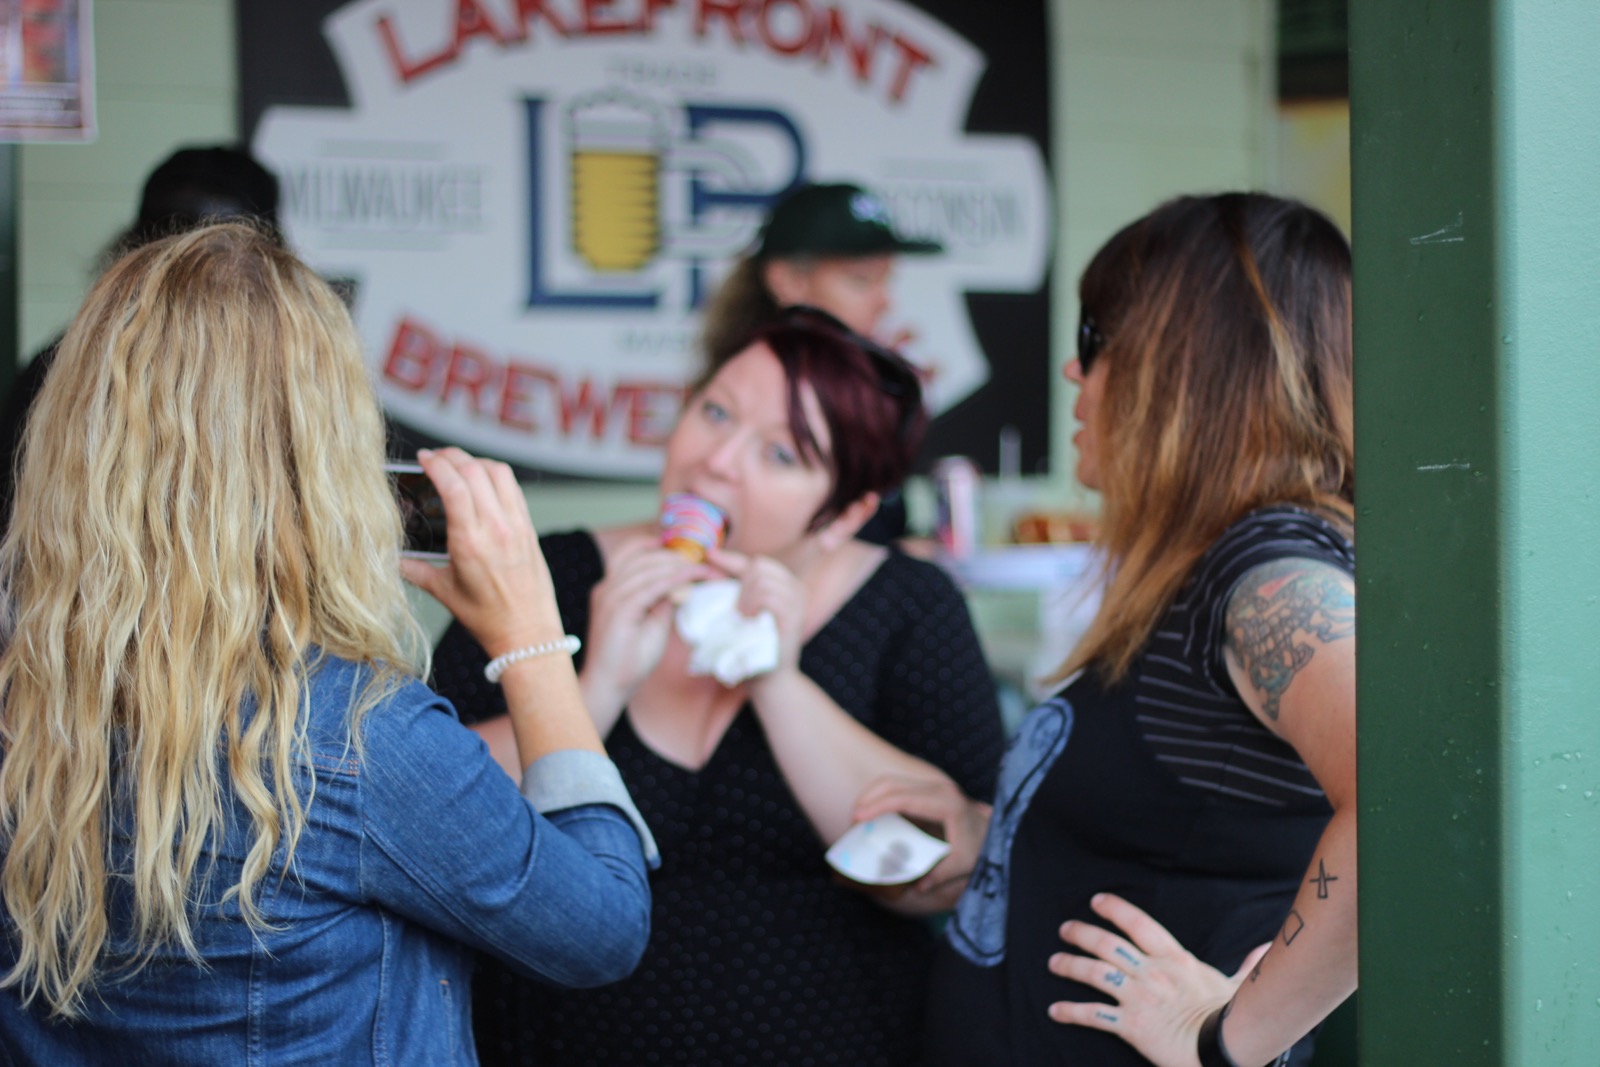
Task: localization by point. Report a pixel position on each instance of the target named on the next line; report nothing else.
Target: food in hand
(1054, 527)
(691, 526)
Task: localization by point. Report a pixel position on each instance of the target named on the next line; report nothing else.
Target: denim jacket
(417, 851)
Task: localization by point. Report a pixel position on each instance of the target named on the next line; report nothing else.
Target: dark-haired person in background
(1188, 797)
(194, 184)
(756, 955)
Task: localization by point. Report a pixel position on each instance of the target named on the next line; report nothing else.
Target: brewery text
(823, 34)
(539, 398)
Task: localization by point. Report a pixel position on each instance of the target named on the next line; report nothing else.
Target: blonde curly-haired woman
(234, 827)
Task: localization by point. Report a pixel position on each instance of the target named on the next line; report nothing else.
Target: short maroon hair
(870, 397)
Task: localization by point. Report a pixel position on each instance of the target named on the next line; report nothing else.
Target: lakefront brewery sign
(530, 200)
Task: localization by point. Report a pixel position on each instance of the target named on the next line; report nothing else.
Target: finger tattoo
(1133, 960)
(1116, 978)
(1106, 1017)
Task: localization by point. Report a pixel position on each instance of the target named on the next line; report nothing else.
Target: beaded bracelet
(497, 666)
(1208, 1046)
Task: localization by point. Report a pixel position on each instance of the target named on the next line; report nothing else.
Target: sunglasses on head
(1090, 342)
(896, 377)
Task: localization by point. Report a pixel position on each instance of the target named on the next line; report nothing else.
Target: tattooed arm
(1291, 653)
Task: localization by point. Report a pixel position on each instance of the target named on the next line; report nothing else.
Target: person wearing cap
(831, 246)
(197, 183)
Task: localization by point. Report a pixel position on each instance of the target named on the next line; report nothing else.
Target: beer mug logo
(618, 140)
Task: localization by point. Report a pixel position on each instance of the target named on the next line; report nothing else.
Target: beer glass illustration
(617, 143)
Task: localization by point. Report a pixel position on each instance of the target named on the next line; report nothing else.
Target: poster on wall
(46, 70)
(530, 200)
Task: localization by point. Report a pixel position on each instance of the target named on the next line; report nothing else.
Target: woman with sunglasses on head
(234, 825)
(757, 955)
(1186, 801)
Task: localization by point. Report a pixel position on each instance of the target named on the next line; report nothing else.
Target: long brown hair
(1227, 388)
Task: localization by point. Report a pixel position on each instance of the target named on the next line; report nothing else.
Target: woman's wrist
(509, 638)
(1213, 1050)
(1208, 1044)
(565, 646)
(775, 680)
(600, 695)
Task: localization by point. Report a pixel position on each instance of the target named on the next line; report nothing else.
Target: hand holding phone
(494, 581)
(421, 512)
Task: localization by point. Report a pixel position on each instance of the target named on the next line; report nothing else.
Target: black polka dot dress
(756, 956)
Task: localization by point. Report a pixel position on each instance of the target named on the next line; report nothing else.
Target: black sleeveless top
(756, 955)
(1163, 789)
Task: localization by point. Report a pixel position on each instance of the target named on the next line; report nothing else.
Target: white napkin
(721, 641)
(888, 850)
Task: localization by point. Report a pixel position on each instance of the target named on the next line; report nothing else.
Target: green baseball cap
(836, 219)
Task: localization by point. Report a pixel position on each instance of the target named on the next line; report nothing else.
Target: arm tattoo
(1322, 879)
(1292, 927)
(1275, 611)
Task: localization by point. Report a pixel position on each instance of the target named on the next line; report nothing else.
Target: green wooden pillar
(1476, 195)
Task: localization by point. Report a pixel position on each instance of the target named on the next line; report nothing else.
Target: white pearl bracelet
(497, 666)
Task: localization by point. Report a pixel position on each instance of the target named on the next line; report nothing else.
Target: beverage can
(957, 482)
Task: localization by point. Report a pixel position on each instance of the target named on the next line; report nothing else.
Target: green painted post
(1476, 194)
(1428, 573)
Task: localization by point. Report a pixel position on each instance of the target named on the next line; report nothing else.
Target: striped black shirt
(1188, 709)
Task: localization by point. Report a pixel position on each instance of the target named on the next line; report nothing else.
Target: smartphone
(421, 510)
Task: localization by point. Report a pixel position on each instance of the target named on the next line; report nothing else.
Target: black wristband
(1208, 1046)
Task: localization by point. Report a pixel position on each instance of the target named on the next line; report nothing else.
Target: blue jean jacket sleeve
(573, 778)
(449, 843)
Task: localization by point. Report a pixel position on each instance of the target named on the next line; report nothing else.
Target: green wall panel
(1548, 101)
